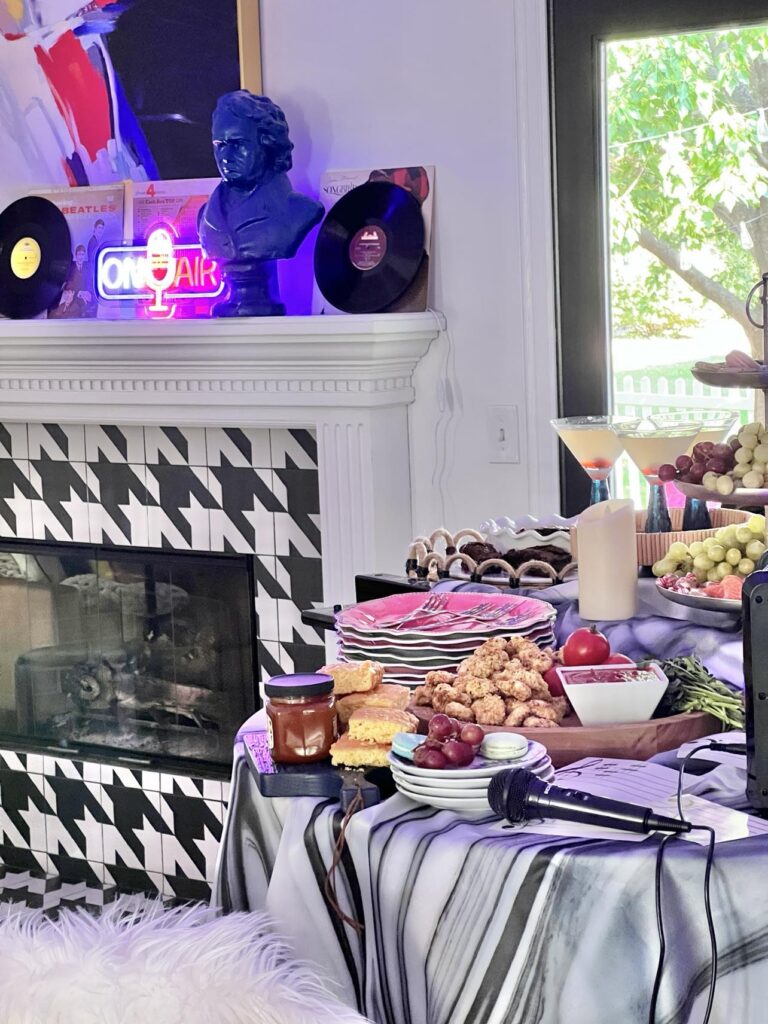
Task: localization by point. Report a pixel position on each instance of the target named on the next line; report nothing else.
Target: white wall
(461, 86)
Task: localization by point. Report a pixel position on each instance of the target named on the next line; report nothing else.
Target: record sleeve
(420, 182)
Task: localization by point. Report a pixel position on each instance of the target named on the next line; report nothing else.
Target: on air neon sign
(161, 271)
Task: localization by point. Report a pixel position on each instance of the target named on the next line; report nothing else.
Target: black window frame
(576, 30)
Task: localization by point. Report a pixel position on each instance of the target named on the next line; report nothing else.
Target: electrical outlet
(503, 434)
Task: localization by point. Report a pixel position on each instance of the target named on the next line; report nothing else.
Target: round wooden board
(638, 741)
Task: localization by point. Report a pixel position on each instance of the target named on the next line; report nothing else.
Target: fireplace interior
(144, 655)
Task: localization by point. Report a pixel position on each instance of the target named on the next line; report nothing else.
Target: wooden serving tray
(638, 741)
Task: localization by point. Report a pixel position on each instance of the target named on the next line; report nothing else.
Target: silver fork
(445, 616)
(433, 605)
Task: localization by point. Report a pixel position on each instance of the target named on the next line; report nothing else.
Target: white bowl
(609, 702)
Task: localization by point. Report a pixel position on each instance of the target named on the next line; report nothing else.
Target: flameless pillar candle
(607, 554)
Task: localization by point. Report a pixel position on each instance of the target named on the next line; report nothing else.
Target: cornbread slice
(379, 725)
(354, 676)
(388, 695)
(355, 754)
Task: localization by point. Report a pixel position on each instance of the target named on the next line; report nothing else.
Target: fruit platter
(735, 471)
(709, 574)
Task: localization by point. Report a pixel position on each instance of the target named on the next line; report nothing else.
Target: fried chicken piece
(489, 711)
(476, 687)
(460, 693)
(422, 695)
(459, 711)
(510, 686)
(442, 694)
(511, 704)
(561, 706)
(495, 644)
(537, 660)
(515, 644)
(534, 722)
(517, 715)
(542, 709)
(433, 679)
(539, 689)
(474, 665)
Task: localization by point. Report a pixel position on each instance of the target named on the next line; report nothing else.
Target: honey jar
(301, 717)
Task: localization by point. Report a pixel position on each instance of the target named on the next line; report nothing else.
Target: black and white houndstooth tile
(215, 489)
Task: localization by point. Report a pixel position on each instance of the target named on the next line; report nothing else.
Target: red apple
(586, 646)
(618, 659)
(552, 679)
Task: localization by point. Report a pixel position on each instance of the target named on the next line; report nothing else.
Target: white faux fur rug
(147, 965)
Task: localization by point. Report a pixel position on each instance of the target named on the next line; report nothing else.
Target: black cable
(660, 928)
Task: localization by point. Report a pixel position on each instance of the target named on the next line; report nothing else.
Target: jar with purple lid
(301, 717)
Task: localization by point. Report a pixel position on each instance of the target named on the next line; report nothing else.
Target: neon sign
(161, 271)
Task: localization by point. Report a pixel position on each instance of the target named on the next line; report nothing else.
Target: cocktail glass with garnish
(594, 443)
(651, 447)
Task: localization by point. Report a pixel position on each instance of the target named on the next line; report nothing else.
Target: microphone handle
(575, 805)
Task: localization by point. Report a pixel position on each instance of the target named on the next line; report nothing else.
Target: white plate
(479, 768)
(710, 604)
(448, 784)
(476, 807)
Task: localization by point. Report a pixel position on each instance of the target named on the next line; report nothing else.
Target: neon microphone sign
(161, 271)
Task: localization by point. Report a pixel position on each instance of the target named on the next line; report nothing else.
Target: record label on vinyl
(370, 247)
(35, 256)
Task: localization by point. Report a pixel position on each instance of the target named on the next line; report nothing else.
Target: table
(467, 923)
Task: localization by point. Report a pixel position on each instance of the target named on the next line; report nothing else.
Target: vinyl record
(35, 255)
(370, 247)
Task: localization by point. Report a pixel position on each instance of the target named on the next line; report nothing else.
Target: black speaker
(755, 623)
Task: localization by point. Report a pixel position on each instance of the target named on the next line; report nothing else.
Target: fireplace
(141, 654)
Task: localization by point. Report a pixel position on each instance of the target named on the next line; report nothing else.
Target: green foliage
(685, 161)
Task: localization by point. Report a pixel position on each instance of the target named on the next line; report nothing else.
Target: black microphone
(519, 795)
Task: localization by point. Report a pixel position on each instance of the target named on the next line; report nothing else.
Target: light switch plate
(503, 433)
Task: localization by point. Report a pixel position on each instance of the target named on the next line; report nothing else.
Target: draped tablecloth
(469, 922)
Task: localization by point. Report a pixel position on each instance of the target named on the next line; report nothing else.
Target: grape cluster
(742, 461)
(449, 744)
(733, 550)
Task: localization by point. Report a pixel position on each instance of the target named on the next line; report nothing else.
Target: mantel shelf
(214, 371)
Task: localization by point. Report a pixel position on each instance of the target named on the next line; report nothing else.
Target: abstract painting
(96, 91)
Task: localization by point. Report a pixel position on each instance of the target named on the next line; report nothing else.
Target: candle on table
(607, 554)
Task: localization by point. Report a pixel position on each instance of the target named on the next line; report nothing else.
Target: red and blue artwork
(97, 91)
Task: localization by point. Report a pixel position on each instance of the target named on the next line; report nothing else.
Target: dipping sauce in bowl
(613, 694)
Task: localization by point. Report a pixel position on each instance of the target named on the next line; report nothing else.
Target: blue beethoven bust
(253, 216)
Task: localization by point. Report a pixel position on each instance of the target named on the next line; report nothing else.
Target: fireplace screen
(145, 652)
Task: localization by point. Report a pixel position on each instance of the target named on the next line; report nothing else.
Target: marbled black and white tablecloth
(467, 922)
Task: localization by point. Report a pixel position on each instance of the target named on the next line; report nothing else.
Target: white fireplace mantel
(349, 378)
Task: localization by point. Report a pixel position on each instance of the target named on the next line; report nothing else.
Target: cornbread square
(388, 695)
(379, 725)
(354, 676)
(355, 754)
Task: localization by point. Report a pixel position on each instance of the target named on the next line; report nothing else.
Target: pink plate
(386, 614)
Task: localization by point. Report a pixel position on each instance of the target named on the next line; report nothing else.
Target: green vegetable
(693, 688)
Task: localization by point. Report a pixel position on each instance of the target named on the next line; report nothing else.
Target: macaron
(404, 744)
(503, 746)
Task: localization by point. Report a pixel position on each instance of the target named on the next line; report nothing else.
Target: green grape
(744, 535)
(697, 548)
(754, 549)
(703, 563)
(728, 538)
(723, 570)
(712, 575)
(701, 575)
(716, 551)
(678, 551)
(721, 536)
(756, 524)
(733, 556)
(745, 566)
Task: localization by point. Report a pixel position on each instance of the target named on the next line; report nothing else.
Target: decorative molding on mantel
(209, 371)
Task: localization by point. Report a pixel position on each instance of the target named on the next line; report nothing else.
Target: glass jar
(301, 718)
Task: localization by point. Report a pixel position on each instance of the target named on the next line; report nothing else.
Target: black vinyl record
(35, 256)
(370, 247)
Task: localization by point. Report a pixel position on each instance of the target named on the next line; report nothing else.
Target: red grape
(472, 734)
(433, 744)
(716, 465)
(724, 451)
(686, 478)
(458, 754)
(696, 472)
(441, 727)
(419, 754)
(734, 444)
(683, 463)
(667, 472)
(434, 759)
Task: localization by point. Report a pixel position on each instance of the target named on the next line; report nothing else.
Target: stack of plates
(463, 789)
(409, 643)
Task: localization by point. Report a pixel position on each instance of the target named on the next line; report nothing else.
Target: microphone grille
(507, 793)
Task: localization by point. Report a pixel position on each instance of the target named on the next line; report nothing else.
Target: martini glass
(650, 448)
(594, 443)
(716, 426)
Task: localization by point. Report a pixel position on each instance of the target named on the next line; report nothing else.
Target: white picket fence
(640, 396)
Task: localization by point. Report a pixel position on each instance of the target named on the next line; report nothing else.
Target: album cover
(420, 182)
(95, 215)
(175, 203)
